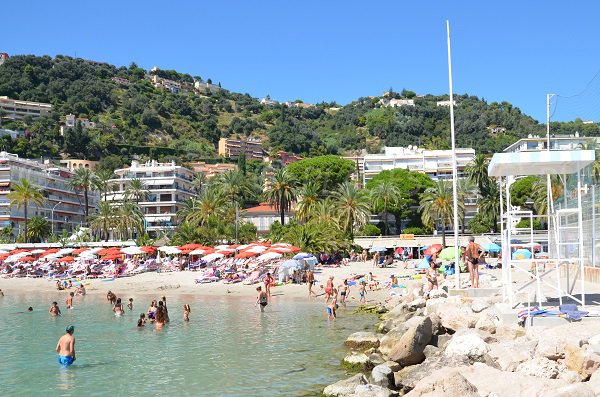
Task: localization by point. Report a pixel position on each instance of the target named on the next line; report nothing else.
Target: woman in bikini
(329, 289)
(118, 307)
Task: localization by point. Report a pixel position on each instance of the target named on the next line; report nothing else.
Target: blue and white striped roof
(540, 163)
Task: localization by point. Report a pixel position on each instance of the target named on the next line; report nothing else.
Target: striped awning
(561, 162)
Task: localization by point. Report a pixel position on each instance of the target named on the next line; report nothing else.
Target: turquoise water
(227, 349)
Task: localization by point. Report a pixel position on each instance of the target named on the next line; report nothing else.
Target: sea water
(228, 348)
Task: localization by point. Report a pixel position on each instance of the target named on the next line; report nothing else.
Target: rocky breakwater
(456, 346)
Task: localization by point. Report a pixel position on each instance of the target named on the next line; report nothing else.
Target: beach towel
(571, 312)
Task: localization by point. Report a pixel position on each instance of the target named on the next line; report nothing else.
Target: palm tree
(22, 193)
(282, 192)
(477, 172)
(130, 219)
(386, 193)
(353, 207)
(436, 207)
(309, 198)
(199, 210)
(38, 229)
(540, 193)
(100, 182)
(489, 205)
(199, 181)
(233, 184)
(83, 179)
(104, 220)
(325, 212)
(136, 189)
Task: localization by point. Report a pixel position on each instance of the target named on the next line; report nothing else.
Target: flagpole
(454, 170)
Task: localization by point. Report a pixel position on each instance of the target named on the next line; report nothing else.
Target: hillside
(134, 117)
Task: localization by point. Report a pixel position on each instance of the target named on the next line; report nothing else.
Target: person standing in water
(164, 302)
(310, 280)
(186, 312)
(268, 280)
(130, 304)
(70, 300)
(118, 307)
(344, 292)
(328, 289)
(160, 316)
(261, 299)
(66, 347)
(54, 309)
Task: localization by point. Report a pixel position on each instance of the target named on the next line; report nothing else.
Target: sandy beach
(176, 283)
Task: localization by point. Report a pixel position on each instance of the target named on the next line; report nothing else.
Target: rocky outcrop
(382, 375)
(370, 390)
(444, 383)
(553, 342)
(409, 348)
(509, 354)
(468, 345)
(362, 340)
(407, 378)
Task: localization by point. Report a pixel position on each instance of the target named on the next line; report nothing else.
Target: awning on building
(157, 218)
(159, 182)
(561, 162)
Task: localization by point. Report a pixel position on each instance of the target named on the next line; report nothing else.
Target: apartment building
(16, 109)
(231, 148)
(71, 121)
(536, 143)
(73, 164)
(168, 185)
(211, 170)
(62, 206)
(3, 57)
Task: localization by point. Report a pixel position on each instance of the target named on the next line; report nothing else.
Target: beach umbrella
(213, 256)
(202, 251)
(65, 251)
(521, 253)
(433, 248)
(378, 249)
(18, 251)
(222, 247)
(424, 264)
(447, 254)
(302, 255)
(245, 254)
(67, 259)
(132, 251)
(267, 256)
(148, 249)
(80, 251)
(110, 257)
(281, 244)
(38, 251)
(291, 264)
(3, 252)
(192, 247)
(257, 249)
(26, 259)
(490, 247)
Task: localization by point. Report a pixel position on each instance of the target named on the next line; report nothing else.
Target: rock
(479, 305)
(591, 363)
(376, 359)
(357, 362)
(440, 305)
(406, 379)
(441, 340)
(509, 332)
(445, 383)
(594, 340)
(436, 323)
(362, 340)
(573, 358)
(393, 365)
(509, 354)
(409, 349)
(385, 326)
(594, 383)
(486, 322)
(437, 293)
(574, 390)
(417, 304)
(397, 313)
(389, 340)
(539, 367)
(569, 376)
(553, 342)
(370, 390)
(455, 318)
(345, 387)
(431, 350)
(393, 302)
(382, 375)
(470, 345)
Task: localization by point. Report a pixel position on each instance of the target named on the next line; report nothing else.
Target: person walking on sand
(66, 347)
(310, 280)
(69, 301)
(54, 309)
(268, 281)
(471, 256)
(261, 299)
(376, 259)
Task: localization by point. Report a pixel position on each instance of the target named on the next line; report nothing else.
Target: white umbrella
(16, 257)
(269, 256)
(198, 252)
(281, 245)
(243, 247)
(169, 249)
(65, 251)
(132, 251)
(225, 250)
(213, 256)
(257, 249)
(37, 251)
(3, 252)
(222, 246)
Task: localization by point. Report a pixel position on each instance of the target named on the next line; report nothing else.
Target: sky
(317, 50)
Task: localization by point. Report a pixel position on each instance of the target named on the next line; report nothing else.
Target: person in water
(310, 280)
(1, 293)
(70, 300)
(186, 312)
(30, 309)
(344, 292)
(66, 347)
(268, 280)
(332, 306)
(54, 309)
(152, 311)
(130, 304)
(111, 297)
(118, 307)
(164, 302)
(142, 320)
(262, 298)
(160, 316)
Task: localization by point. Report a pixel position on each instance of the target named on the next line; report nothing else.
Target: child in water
(186, 312)
(70, 300)
(142, 320)
(130, 304)
(332, 306)
(362, 291)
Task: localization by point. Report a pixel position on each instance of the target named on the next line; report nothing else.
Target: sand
(176, 283)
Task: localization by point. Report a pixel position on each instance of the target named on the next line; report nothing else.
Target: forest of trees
(138, 119)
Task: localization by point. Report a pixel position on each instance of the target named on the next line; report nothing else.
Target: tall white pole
(454, 170)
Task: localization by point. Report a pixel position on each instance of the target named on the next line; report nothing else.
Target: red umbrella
(4, 256)
(148, 249)
(246, 254)
(433, 249)
(18, 251)
(67, 259)
(26, 259)
(111, 257)
(79, 251)
(50, 251)
(192, 247)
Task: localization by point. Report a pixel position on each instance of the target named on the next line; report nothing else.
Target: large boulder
(357, 362)
(437, 293)
(370, 390)
(409, 349)
(552, 342)
(346, 387)
(388, 341)
(574, 390)
(455, 318)
(486, 322)
(509, 354)
(382, 375)
(397, 313)
(469, 345)
(540, 367)
(406, 379)
(479, 305)
(416, 304)
(594, 383)
(362, 340)
(447, 382)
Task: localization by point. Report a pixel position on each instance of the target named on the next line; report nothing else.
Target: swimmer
(54, 309)
(70, 300)
(118, 307)
(111, 297)
(30, 309)
(1, 293)
(261, 299)
(186, 312)
(66, 347)
(130, 304)
(142, 320)
(164, 302)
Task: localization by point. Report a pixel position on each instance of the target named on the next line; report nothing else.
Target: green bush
(369, 230)
(416, 230)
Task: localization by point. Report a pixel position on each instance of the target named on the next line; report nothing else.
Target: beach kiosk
(562, 271)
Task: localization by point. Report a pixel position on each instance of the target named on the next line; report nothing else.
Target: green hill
(134, 117)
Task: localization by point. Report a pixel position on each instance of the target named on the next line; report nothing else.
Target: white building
(396, 103)
(535, 143)
(445, 103)
(16, 109)
(169, 186)
(437, 164)
(71, 121)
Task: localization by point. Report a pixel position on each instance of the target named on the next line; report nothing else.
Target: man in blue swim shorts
(66, 347)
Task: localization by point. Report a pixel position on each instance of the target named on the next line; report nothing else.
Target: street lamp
(52, 215)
